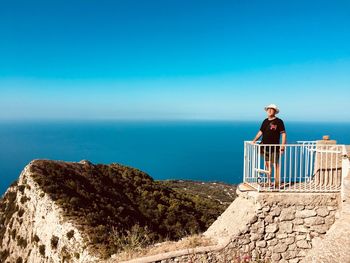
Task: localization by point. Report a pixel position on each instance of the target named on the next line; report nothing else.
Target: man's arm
(257, 136)
(284, 140)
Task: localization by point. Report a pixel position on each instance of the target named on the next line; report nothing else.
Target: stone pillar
(328, 163)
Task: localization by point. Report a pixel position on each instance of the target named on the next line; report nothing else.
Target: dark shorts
(271, 154)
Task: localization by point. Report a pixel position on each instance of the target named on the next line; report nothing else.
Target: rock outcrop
(34, 228)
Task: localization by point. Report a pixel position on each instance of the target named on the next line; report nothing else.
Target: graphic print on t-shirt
(273, 126)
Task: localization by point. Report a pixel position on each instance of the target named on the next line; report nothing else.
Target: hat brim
(276, 109)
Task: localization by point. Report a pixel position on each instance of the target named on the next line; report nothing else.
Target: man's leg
(277, 174)
(268, 168)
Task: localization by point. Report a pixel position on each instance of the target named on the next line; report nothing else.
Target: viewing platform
(307, 166)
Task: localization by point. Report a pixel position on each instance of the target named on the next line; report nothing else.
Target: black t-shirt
(271, 131)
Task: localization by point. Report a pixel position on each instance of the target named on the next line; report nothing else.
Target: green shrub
(13, 233)
(70, 234)
(21, 188)
(65, 255)
(20, 212)
(24, 199)
(21, 242)
(7, 208)
(135, 238)
(42, 250)
(36, 238)
(54, 242)
(4, 255)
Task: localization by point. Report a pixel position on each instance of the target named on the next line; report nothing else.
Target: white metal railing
(306, 166)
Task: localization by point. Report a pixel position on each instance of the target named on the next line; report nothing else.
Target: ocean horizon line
(150, 120)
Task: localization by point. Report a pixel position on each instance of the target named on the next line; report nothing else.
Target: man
(271, 130)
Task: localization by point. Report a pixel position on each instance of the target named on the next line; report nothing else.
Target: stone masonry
(283, 232)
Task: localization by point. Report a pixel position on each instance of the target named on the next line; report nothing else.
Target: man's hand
(257, 136)
(282, 149)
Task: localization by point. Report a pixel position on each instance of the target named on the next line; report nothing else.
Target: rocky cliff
(33, 228)
(80, 212)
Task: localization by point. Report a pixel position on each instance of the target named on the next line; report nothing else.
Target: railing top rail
(307, 142)
(294, 144)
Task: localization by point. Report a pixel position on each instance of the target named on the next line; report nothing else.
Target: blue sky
(174, 59)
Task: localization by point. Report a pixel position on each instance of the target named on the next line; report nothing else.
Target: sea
(188, 150)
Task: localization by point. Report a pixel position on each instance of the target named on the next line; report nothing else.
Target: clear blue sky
(174, 59)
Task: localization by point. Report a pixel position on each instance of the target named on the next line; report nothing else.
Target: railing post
(259, 176)
(244, 162)
(344, 171)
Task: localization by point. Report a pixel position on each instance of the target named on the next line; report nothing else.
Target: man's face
(271, 112)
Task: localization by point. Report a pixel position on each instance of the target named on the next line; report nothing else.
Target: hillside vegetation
(222, 193)
(110, 203)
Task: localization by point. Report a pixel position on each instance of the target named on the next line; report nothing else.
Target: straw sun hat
(272, 106)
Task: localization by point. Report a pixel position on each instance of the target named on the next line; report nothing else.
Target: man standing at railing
(271, 130)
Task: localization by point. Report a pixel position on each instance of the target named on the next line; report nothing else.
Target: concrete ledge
(314, 199)
(177, 253)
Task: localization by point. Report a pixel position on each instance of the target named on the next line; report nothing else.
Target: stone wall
(283, 233)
